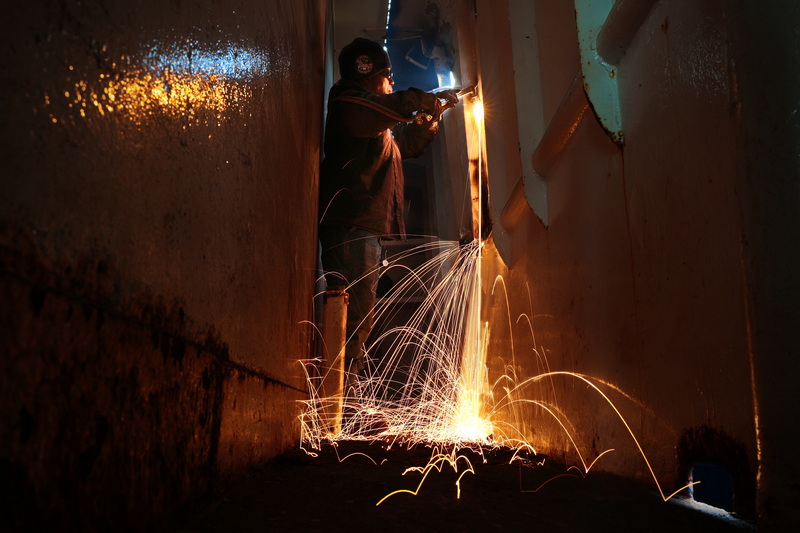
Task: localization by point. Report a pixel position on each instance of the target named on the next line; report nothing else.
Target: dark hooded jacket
(366, 138)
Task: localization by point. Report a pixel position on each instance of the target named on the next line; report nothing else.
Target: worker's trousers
(351, 259)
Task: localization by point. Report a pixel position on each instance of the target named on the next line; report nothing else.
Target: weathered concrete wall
(643, 278)
(157, 252)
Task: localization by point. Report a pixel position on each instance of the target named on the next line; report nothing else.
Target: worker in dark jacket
(369, 131)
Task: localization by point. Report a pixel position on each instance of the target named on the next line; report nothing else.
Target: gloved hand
(449, 96)
(434, 104)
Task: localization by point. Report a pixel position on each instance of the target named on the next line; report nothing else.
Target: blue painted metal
(599, 77)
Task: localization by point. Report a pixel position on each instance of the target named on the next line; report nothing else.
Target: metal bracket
(599, 77)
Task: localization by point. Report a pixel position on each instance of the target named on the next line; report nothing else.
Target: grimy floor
(296, 492)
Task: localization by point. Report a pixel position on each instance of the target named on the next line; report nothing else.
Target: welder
(369, 130)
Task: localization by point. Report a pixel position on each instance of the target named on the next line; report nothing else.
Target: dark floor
(296, 492)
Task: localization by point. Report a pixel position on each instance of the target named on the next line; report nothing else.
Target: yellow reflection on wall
(196, 89)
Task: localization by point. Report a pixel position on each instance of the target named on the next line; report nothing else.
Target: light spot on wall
(174, 77)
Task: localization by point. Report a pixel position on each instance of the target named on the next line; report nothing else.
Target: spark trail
(431, 384)
(426, 381)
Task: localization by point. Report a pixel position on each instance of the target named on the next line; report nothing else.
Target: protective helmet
(361, 59)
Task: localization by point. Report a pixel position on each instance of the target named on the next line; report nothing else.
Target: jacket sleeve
(365, 114)
(413, 138)
(410, 101)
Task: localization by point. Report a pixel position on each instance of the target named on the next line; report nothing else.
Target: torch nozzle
(465, 91)
(460, 93)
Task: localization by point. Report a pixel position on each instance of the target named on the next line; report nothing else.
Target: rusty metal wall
(157, 248)
(638, 280)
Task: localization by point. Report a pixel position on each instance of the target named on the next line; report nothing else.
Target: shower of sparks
(426, 381)
(431, 386)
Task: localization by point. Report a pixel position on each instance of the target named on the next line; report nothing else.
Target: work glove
(448, 97)
(434, 104)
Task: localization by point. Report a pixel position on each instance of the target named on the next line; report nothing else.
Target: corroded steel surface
(158, 191)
